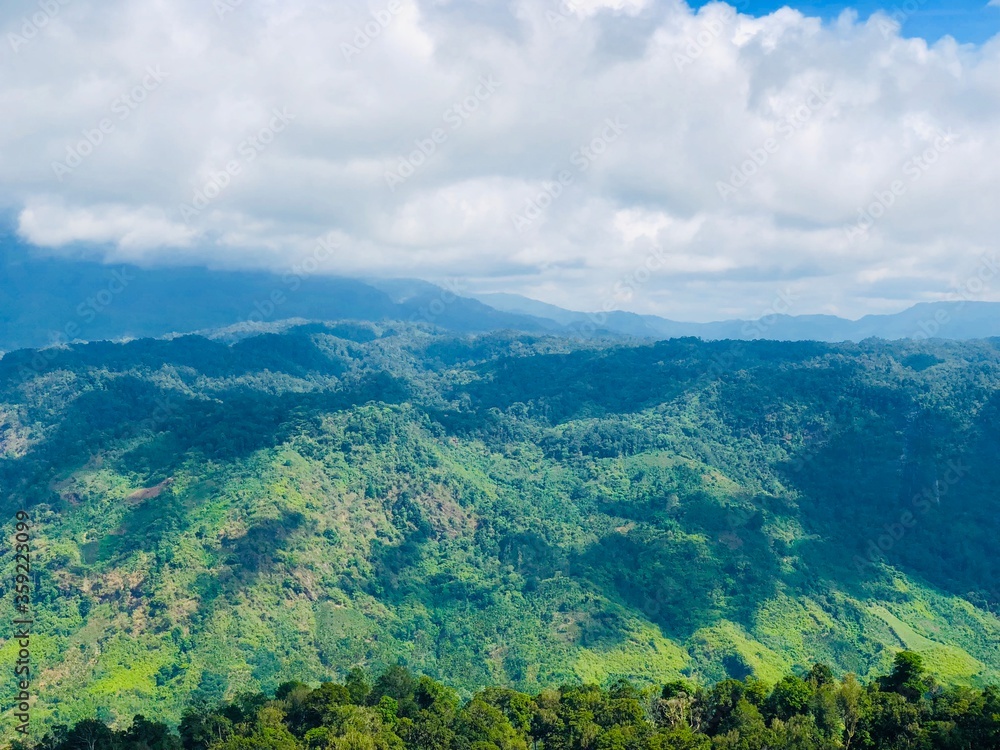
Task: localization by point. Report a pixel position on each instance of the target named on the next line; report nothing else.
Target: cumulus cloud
(635, 153)
(51, 223)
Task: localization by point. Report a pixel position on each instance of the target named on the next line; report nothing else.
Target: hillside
(519, 510)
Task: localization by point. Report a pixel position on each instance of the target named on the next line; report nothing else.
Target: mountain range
(47, 300)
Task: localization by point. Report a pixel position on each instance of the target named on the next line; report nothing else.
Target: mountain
(47, 300)
(962, 320)
(212, 518)
(54, 300)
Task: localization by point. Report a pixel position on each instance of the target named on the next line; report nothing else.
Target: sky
(697, 163)
(965, 20)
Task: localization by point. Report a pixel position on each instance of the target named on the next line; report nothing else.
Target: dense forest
(904, 709)
(214, 517)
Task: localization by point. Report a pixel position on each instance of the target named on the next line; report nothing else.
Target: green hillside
(213, 519)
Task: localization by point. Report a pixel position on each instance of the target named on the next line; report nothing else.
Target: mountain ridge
(958, 320)
(50, 300)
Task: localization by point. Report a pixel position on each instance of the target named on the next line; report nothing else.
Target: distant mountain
(948, 320)
(46, 300)
(54, 300)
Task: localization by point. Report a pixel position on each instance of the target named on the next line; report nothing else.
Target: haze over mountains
(960, 320)
(44, 301)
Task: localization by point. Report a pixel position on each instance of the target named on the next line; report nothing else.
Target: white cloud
(807, 123)
(590, 7)
(130, 230)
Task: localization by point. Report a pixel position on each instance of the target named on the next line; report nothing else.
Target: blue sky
(965, 20)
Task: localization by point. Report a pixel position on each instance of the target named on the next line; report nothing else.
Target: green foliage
(907, 677)
(791, 697)
(214, 521)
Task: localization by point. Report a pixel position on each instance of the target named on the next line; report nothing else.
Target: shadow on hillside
(622, 380)
(172, 428)
(292, 354)
(684, 582)
(916, 491)
(244, 559)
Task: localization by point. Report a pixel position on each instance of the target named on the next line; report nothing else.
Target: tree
(399, 684)
(893, 723)
(478, 721)
(200, 728)
(319, 705)
(819, 675)
(790, 697)
(975, 719)
(680, 738)
(90, 734)
(357, 686)
(149, 735)
(907, 677)
(824, 708)
(744, 729)
(721, 703)
(517, 707)
(800, 733)
(853, 703)
(681, 703)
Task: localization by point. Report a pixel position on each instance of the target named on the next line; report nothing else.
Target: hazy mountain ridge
(960, 320)
(45, 301)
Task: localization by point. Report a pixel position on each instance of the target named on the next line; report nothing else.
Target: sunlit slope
(216, 519)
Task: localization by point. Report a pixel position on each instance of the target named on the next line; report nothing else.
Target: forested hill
(213, 519)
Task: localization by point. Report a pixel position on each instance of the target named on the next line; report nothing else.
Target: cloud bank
(633, 154)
